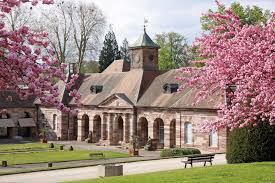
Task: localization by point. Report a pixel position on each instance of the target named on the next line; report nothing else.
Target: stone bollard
(4, 163)
(50, 164)
(110, 170)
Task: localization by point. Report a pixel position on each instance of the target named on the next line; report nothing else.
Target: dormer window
(96, 89)
(170, 87)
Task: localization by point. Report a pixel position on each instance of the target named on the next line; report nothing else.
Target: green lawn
(25, 147)
(55, 156)
(237, 173)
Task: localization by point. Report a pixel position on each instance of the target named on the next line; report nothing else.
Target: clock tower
(144, 53)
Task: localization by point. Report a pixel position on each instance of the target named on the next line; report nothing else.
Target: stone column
(150, 128)
(178, 130)
(104, 131)
(81, 131)
(167, 134)
(111, 129)
(126, 133)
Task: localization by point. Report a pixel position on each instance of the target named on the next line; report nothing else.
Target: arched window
(188, 134)
(213, 139)
(54, 121)
(161, 133)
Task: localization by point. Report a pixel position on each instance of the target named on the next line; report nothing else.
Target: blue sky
(182, 16)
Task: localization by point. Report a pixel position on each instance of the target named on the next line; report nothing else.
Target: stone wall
(17, 113)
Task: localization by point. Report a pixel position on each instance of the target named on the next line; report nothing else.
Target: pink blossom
(244, 57)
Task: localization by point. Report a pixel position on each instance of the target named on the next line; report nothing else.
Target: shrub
(251, 144)
(179, 152)
(51, 145)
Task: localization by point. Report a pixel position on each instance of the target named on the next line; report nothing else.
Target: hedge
(179, 152)
(251, 144)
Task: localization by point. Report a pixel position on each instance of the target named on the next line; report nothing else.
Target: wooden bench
(96, 154)
(199, 158)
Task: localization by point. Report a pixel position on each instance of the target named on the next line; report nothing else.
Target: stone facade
(140, 101)
(16, 115)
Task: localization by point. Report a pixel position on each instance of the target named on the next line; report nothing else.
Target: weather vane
(145, 23)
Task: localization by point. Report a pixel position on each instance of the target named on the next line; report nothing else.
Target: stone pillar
(104, 131)
(126, 133)
(111, 129)
(63, 126)
(132, 126)
(167, 134)
(150, 128)
(178, 130)
(81, 131)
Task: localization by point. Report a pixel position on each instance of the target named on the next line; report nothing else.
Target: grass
(237, 173)
(55, 156)
(25, 147)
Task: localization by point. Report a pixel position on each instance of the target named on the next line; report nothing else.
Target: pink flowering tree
(239, 63)
(27, 62)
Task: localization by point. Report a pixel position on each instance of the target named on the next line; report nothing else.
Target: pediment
(117, 100)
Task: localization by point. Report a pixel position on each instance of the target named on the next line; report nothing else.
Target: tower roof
(144, 41)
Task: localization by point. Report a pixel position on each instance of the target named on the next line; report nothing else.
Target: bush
(51, 145)
(251, 144)
(179, 152)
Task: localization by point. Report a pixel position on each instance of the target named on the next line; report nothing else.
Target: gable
(116, 101)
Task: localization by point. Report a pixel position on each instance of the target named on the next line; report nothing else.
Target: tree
(90, 67)
(27, 62)
(247, 16)
(109, 52)
(88, 25)
(75, 29)
(58, 24)
(239, 60)
(174, 50)
(18, 16)
(124, 51)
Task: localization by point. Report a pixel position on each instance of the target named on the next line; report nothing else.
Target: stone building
(19, 117)
(134, 99)
(137, 99)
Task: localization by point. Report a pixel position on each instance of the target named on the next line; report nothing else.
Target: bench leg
(185, 165)
(204, 163)
(192, 165)
(211, 163)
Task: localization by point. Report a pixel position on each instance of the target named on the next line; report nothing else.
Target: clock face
(151, 57)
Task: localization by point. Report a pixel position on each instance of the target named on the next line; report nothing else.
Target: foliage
(90, 67)
(247, 15)
(124, 51)
(241, 173)
(174, 50)
(238, 55)
(179, 152)
(75, 28)
(251, 144)
(109, 52)
(27, 64)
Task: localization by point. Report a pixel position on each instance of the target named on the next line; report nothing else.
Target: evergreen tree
(124, 51)
(109, 52)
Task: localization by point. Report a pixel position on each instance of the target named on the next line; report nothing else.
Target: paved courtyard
(91, 172)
